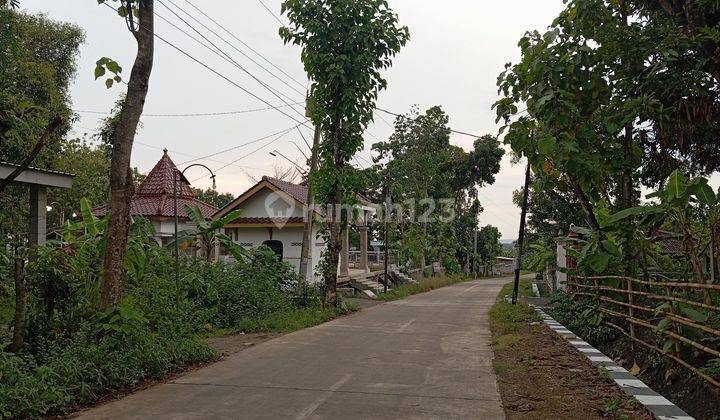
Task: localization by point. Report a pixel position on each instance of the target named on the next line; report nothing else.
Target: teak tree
(345, 44)
(138, 15)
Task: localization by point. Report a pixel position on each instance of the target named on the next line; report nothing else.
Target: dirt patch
(541, 376)
(230, 344)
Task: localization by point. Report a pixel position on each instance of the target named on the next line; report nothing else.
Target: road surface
(424, 357)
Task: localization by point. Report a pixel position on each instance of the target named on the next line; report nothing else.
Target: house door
(276, 247)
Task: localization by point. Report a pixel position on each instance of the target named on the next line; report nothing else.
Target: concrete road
(424, 357)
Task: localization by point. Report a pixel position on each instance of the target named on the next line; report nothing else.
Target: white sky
(456, 51)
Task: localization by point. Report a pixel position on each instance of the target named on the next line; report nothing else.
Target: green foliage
(422, 286)
(580, 316)
(436, 184)
(296, 319)
(712, 367)
(489, 248)
(207, 233)
(213, 197)
(80, 370)
(506, 317)
(76, 354)
(106, 64)
(36, 68)
(346, 44)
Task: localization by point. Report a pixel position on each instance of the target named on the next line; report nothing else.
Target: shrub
(579, 315)
(79, 371)
(75, 354)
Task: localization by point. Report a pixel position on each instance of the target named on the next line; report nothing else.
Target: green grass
(296, 319)
(422, 286)
(525, 289)
(507, 317)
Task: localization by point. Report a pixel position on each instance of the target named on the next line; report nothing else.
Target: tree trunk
(585, 204)
(691, 253)
(121, 181)
(20, 307)
(423, 248)
(333, 253)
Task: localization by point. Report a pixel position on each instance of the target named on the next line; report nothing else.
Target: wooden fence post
(671, 304)
(631, 311)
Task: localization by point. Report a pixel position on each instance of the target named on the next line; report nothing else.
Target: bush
(573, 313)
(75, 354)
(79, 371)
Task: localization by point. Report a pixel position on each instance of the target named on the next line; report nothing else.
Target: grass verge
(405, 290)
(527, 353)
(296, 319)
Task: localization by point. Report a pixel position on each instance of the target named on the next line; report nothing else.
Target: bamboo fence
(635, 304)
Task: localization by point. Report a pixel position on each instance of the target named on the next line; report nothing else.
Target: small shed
(38, 180)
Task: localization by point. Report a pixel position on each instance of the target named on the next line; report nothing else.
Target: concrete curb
(658, 405)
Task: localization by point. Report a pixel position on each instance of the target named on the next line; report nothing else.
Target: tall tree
(345, 45)
(37, 65)
(488, 247)
(121, 179)
(429, 172)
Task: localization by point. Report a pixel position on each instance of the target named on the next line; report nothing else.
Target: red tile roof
(299, 191)
(154, 196)
(296, 191)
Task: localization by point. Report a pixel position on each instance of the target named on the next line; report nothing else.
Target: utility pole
(474, 254)
(385, 235)
(521, 235)
(305, 260)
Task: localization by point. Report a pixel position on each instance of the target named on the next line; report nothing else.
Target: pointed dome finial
(165, 150)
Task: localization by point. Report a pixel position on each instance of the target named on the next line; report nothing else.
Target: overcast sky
(456, 51)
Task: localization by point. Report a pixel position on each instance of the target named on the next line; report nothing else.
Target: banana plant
(680, 201)
(208, 233)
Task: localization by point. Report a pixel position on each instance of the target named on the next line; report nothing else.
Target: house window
(276, 247)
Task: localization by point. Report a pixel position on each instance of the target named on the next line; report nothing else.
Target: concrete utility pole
(305, 260)
(474, 253)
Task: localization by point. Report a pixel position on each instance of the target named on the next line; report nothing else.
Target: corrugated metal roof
(47, 171)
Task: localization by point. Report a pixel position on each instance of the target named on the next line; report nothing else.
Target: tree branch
(52, 126)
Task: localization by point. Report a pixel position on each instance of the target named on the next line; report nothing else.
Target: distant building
(153, 199)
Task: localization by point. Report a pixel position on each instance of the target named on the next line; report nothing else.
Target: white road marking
(405, 326)
(322, 398)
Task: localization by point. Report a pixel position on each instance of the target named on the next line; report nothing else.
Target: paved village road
(424, 357)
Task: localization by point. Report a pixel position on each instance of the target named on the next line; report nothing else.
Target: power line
(450, 129)
(281, 132)
(272, 13)
(217, 72)
(233, 47)
(273, 91)
(244, 44)
(196, 114)
(250, 153)
(193, 156)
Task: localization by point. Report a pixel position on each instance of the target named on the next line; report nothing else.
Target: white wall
(258, 205)
(561, 263)
(291, 238)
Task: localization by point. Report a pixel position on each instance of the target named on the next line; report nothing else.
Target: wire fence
(683, 314)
